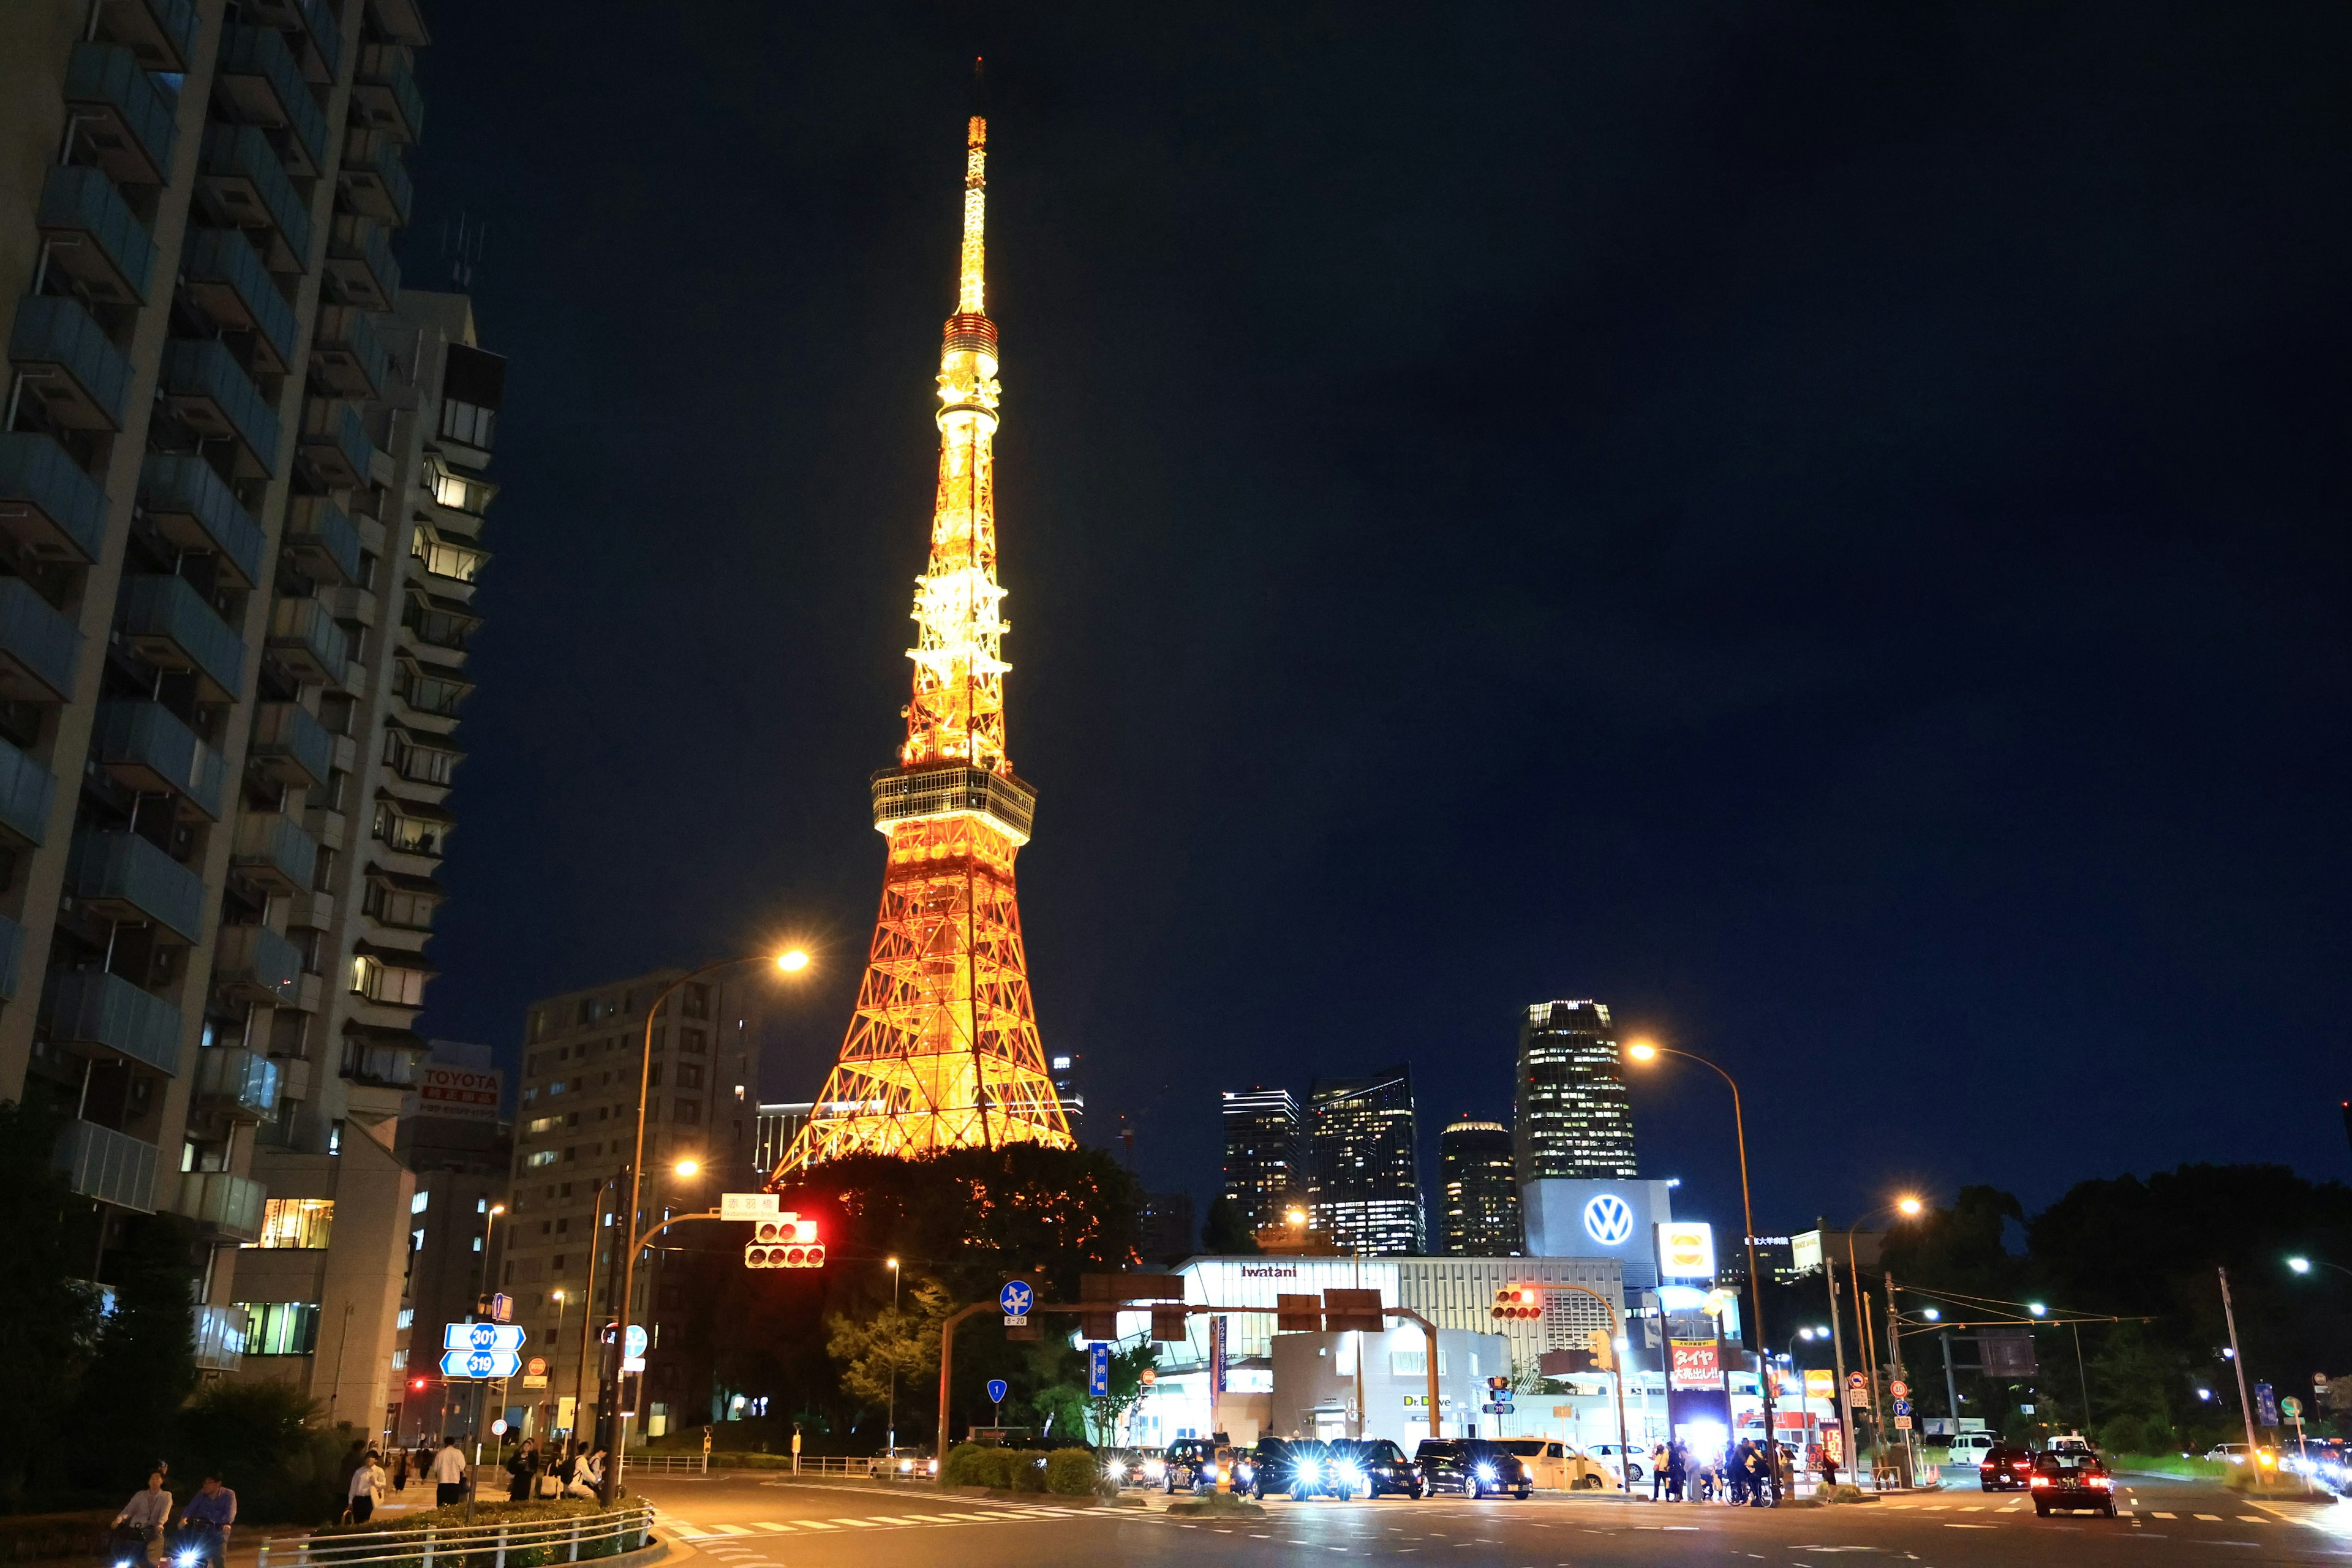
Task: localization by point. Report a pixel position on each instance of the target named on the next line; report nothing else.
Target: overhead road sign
(481, 1337)
(1014, 1301)
(481, 1363)
(1098, 1371)
(749, 1206)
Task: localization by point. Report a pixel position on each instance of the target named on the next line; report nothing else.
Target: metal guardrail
(876, 1466)
(531, 1542)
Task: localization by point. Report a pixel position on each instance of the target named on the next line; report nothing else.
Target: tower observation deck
(943, 1052)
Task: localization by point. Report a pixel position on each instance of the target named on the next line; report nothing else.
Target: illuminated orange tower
(943, 1051)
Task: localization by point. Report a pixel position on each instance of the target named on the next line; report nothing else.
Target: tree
(902, 1340)
(144, 1367)
(48, 1314)
(1223, 1235)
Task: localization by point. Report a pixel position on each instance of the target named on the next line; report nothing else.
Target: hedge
(1071, 1472)
(590, 1515)
(25, 1538)
(1006, 1469)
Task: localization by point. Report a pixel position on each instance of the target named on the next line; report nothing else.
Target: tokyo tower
(943, 1051)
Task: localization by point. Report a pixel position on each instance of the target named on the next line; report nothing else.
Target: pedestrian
(146, 1515)
(1678, 1470)
(1657, 1472)
(448, 1475)
(522, 1470)
(1759, 1475)
(1734, 1478)
(364, 1490)
(209, 1516)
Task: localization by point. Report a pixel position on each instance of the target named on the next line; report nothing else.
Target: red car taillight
(2103, 1480)
(2041, 1480)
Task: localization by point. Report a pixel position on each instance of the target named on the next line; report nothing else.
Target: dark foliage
(48, 1320)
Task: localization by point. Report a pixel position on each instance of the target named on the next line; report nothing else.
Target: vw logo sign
(1609, 1220)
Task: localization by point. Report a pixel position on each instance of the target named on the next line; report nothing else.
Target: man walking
(210, 1515)
(364, 1490)
(448, 1475)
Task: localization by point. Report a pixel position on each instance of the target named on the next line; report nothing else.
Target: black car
(2004, 1469)
(2072, 1481)
(1373, 1466)
(1299, 1468)
(1190, 1464)
(1472, 1466)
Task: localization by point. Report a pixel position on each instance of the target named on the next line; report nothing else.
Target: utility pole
(2238, 1360)
(1895, 1375)
(1842, 1411)
(1951, 1384)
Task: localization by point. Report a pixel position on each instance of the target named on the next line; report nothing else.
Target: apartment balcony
(221, 1335)
(12, 958)
(258, 74)
(392, 1058)
(129, 124)
(94, 236)
(317, 38)
(38, 646)
(214, 397)
(223, 274)
(400, 21)
(273, 852)
(254, 964)
(346, 355)
(335, 442)
(161, 33)
(290, 745)
(375, 180)
(312, 910)
(109, 1166)
(320, 540)
(26, 790)
(233, 1082)
(242, 177)
(167, 623)
(385, 92)
(352, 605)
(145, 747)
(122, 876)
(82, 380)
(194, 511)
(324, 825)
(360, 264)
(46, 503)
(294, 1072)
(306, 641)
(223, 1205)
(103, 1011)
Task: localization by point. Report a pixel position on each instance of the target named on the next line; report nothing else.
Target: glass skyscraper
(1264, 1167)
(1575, 1117)
(1367, 1172)
(1479, 1189)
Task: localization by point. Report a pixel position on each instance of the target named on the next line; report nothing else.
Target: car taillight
(2021, 1466)
(2041, 1480)
(2103, 1480)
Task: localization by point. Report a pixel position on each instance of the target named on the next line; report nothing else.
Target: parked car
(1556, 1467)
(1189, 1465)
(1374, 1466)
(2072, 1481)
(1473, 1466)
(1132, 1467)
(1608, 1454)
(1968, 1448)
(1298, 1468)
(2004, 1469)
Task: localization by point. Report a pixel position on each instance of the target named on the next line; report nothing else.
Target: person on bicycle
(210, 1515)
(144, 1516)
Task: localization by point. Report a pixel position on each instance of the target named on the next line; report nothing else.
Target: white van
(1969, 1448)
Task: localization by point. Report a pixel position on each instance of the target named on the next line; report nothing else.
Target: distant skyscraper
(1367, 1172)
(1479, 1188)
(1065, 1089)
(1265, 1163)
(1575, 1118)
(773, 1130)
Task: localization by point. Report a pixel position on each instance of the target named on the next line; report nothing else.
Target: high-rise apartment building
(575, 1137)
(1575, 1118)
(1065, 1068)
(778, 1123)
(1265, 1165)
(1366, 1186)
(241, 499)
(460, 1148)
(1478, 1191)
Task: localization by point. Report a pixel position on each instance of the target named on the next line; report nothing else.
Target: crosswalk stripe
(893, 1519)
(732, 1529)
(2255, 1518)
(2212, 1518)
(817, 1524)
(861, 1524)
(2159, 1513)
(769, 1524)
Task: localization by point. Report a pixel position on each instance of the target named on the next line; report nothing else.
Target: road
(751, 1520)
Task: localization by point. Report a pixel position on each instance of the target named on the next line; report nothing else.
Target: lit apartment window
(296, 1223)
(280, 1328)
(400, 1360)
(543, 1157)
(410, 834)
(417, 1204)
(469, 423)
(390, 984)
(443, 559)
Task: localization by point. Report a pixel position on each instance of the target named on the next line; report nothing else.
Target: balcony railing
(386, 92)
(222, 1204)
(375, 180)
(259, 73)
(347, 353)
(12, 958)
(109, 1166)
(335, 440)
(224, 275)
(172, 627)
(320, 538)
(91, 1008)
(272, 850)
(47, 502)
(38, 646)
(120, 876)
(220, 1336)
(360, 263)
(291, 744)
(82, 380)
(394, 1067)
(196, 511)
(254, 964)
(100, 241)
(308, 642)
(239, 1084)
(213, 397)
(128, 121)
(26, 791)
(241, 173)
(145, 746)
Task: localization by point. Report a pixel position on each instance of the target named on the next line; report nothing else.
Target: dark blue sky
(1823, 527)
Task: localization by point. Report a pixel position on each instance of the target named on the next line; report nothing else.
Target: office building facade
(241, 495)
(1265, 1170)
(1365, 1187)
(1574, 1117)
(583, 1060)
(779, 1123)
(1478, 1191)
(459, 1146)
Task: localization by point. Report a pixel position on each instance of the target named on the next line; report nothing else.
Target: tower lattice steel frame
(943, 1051)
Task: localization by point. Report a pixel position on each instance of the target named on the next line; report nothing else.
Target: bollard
(575, 1541)
(428, 1549)
(501, 1559)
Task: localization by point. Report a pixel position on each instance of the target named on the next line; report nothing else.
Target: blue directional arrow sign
(1098, 1371)
(1015, 1297)
(481, 1337)
(997, 1389)
(481, 1363)
(635, 1342)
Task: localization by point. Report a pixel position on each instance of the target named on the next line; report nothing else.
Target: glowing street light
(2300, 1265)
(1909, 1207)
(689, 1167)
(792, 961)
(2037, 1309)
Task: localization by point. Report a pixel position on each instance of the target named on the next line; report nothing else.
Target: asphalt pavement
(748, 1520)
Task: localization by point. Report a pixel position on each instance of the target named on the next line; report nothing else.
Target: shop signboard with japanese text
(1695, 1365)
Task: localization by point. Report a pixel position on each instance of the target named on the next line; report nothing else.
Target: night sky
(1823, 527)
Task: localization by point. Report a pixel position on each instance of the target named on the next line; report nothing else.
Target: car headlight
(1309, 1469)
(1155, 1468)
(1351, 1474)
(1245, 1470)
(1485, 1472)
(1114, 1469)
(189, 1559)
(1208, 1472)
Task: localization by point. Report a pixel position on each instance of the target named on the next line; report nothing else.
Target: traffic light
(416, 1386)
(1520, 1302)
(1603, 1350)
(783, 1241)
(1498, 1383)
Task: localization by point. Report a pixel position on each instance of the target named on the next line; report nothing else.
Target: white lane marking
(731, 1528)
(2211, 1518)
(2159, 1513)
(769, 1524)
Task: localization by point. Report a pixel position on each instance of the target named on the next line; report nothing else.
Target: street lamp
(2305, 1265)
(892, 1264)
(1647, 1051)
(792, 961)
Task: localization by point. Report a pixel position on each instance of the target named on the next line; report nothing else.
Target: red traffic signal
(1517, 1302)
(416, 1386)
(785, 1241)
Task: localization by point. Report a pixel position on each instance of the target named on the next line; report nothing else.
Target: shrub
(1028, 1470)
(26, 1538)
(264, 1441)
(1071, 1472)
(978, 1465)
(590, 1517)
